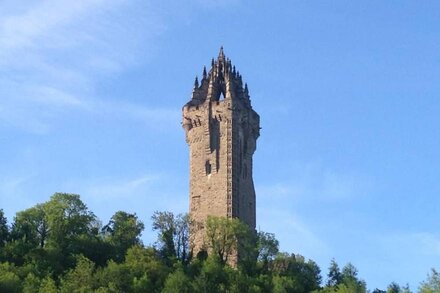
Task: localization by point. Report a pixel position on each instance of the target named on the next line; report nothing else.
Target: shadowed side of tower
(221, 130)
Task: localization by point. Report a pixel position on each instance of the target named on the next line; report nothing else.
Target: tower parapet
(221, 130)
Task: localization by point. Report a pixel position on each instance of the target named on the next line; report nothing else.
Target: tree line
(61, 246)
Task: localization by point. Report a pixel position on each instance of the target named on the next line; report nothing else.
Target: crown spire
(196, 82)
(221, 54)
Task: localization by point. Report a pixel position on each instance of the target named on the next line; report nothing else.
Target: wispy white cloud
(414, 243)
(282, 204)
(54, 97)
(157, 118)
(40, 20)
(413, 252)
(54, 53)
(312, 182)
(12, 193)
(118, 189)
(293, 233)
(216, 4)
(151, 187)
(430, 243)
(142, 194)
(9, 185)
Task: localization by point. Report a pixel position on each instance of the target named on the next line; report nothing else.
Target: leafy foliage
(4, 230)
(173, 237)
(432, 284)
(224, 236)
(123, 231)
(60, 246)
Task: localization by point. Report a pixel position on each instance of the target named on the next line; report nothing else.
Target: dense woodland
(61, 246)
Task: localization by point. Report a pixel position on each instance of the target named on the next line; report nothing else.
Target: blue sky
(347, 165)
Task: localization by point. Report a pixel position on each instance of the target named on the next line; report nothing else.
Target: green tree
(284, 284)
(334, 276)
(432, 283)
(9, 281)
(30, 226)
(31, 284)
(144, 261)
(240, 282)
(123, 231)
(72, 229)
(52, 233)
(406, 289)
(178, 281)
(213, 277)
(345, 281)
(223, 236)
(4, 230)
(173, 237)
(68, 217)
(48, 286)
(181, 242)
(114, 277)
(393, 288)
(79, 279)
(350, 280)
(164, 223)
(142, 271)
(267, 249)
(28, 236)
(304, 276)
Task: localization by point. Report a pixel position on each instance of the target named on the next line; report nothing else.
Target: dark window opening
(208, 167)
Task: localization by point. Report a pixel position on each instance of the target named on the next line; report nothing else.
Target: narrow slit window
(208, 167)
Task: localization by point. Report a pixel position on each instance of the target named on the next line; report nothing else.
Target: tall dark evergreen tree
(4, 229)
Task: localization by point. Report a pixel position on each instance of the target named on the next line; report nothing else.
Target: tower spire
(196, 82)
(204, 72)
(221, 54)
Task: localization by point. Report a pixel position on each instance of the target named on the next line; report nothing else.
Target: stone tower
(221, 130)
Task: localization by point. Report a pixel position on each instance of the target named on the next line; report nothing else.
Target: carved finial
(196, 83)
(221, 54)
(204, 72)
(246, 90)
(233, 70)
(212, 62)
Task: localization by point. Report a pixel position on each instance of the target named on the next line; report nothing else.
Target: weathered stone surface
(221, 130)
